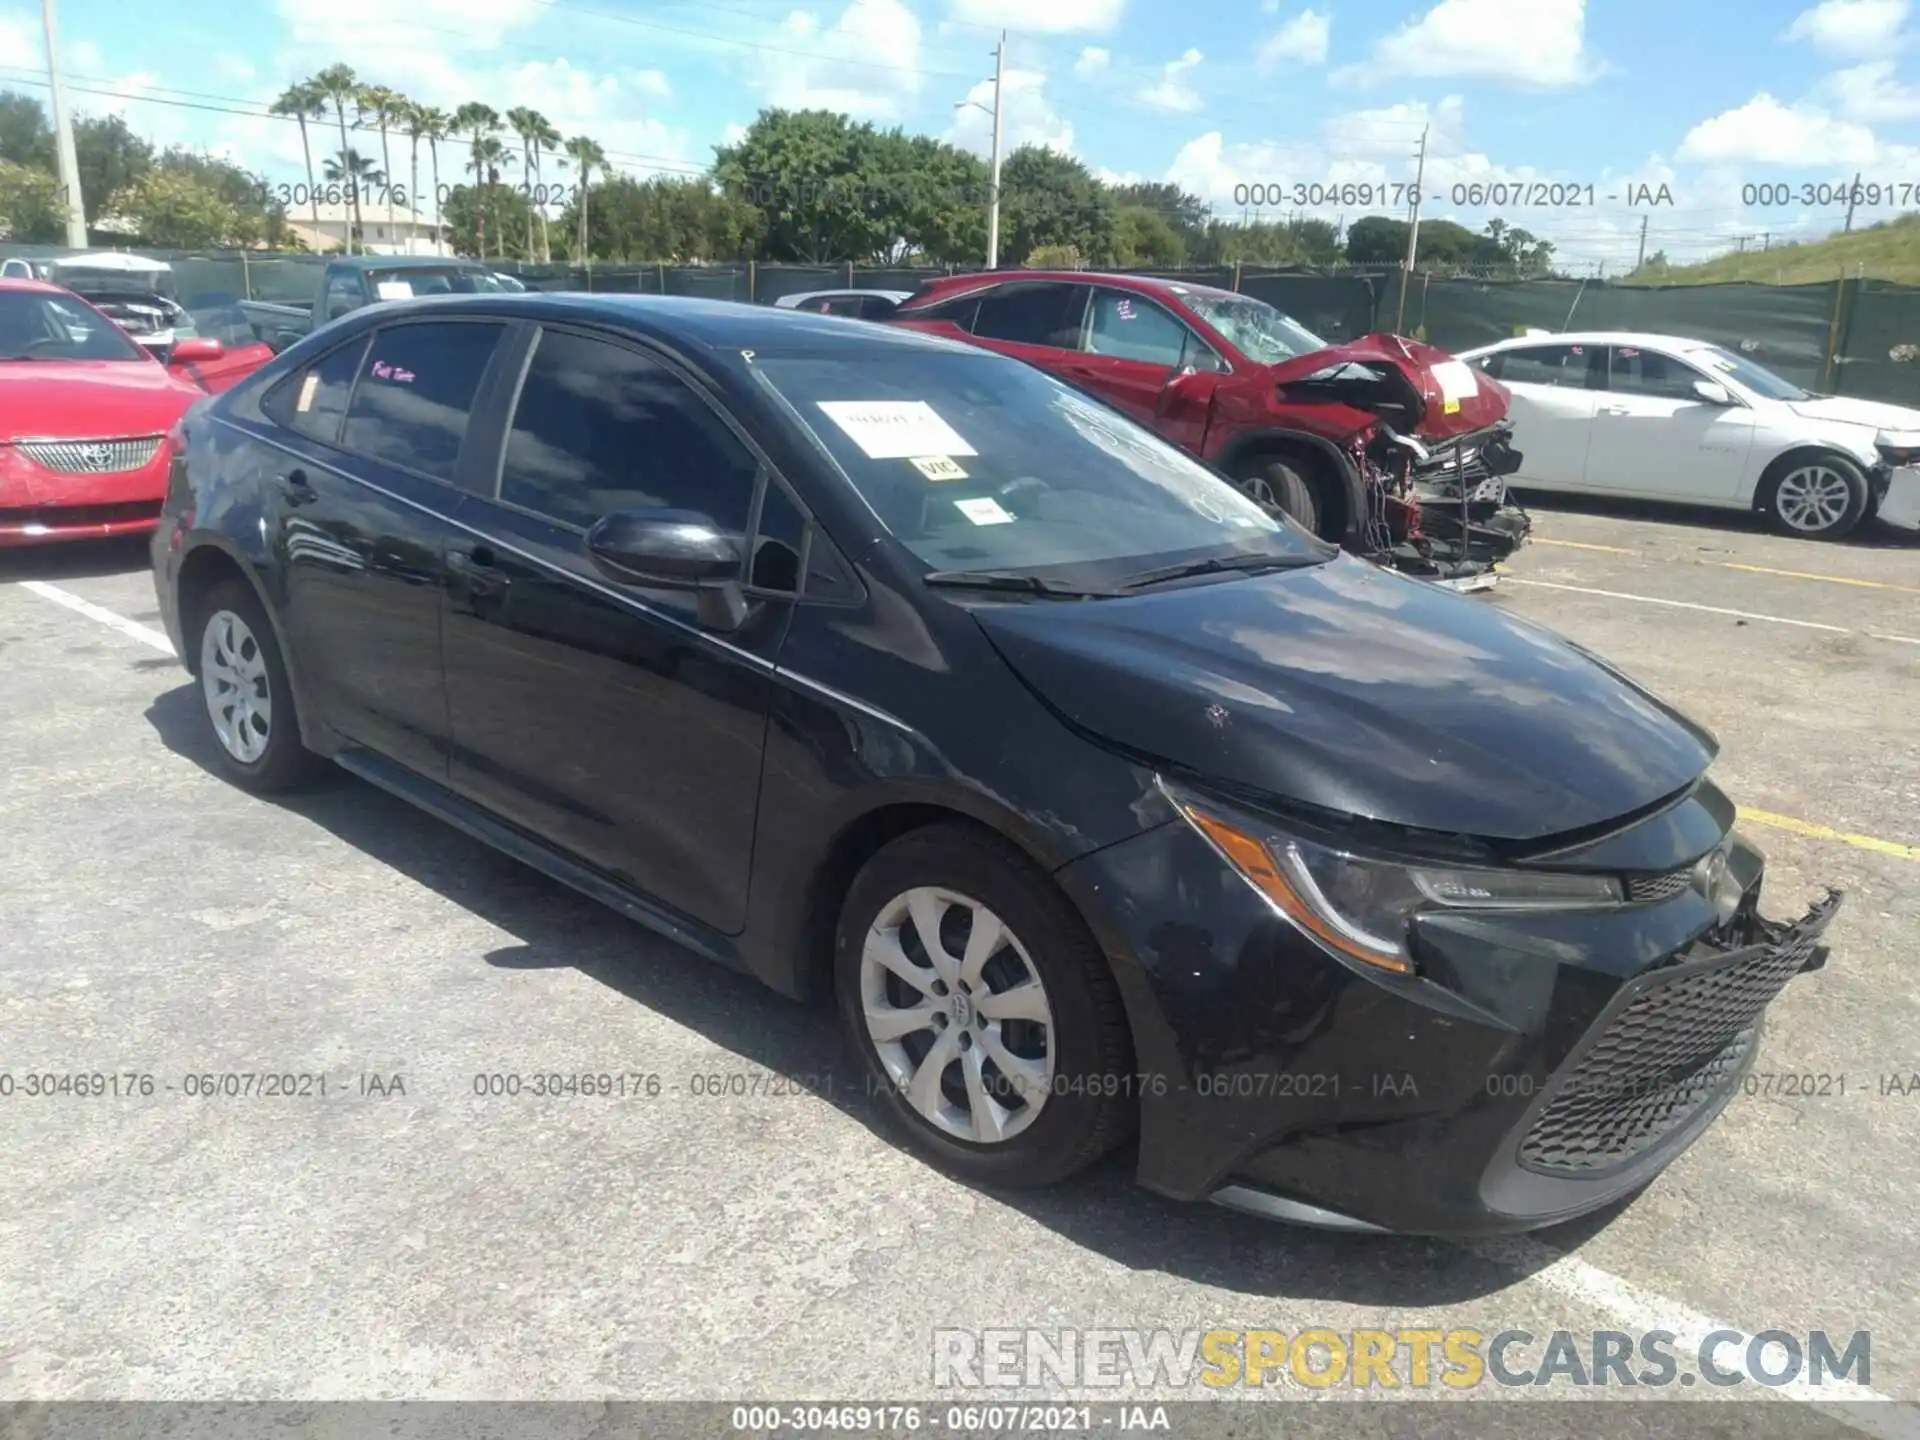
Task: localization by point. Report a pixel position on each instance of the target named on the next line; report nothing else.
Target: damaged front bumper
(1447, 515)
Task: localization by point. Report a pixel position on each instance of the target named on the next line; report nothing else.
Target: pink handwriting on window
(399, 375)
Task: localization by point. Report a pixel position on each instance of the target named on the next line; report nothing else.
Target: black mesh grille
(1671, 1049)
(1645, 889)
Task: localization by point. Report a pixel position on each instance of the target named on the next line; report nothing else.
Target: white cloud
(1869, 93)
(866, 64)
(1766, 132)
(733, 134)
(651, 82)
(1850, 27)
(1303, 40)
(1092, 61)
(1535, 44)
(1172, 93)
(1026, 117)
(1116, 177)
(1057, 17)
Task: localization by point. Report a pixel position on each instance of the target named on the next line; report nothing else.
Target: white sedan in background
(1654, 417)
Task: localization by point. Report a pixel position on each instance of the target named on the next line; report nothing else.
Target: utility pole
(993, 191)
(1641, 262)
(1413, 231)
(1766, 242)
(63, 133)
(1852, 195)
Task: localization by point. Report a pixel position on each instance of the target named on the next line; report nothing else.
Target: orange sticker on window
(307, 388)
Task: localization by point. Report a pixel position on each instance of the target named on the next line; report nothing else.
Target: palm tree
(586, 154)
(338, 84)
(382, 106)
(411, 120)
(489, 154)
(545, 138)
(435, 125)
(303, 103)
(534, 130)
(479, 122)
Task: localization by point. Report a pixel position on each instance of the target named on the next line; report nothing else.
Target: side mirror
(673, 550)
(1713, 392)
(196, 350)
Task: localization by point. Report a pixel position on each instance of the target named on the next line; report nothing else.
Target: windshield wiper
(1011, 580)
(1234, 564)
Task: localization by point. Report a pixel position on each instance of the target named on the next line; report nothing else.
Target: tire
(1277, 485)
(1817, 497)
(1073, 1097)
(256, 743)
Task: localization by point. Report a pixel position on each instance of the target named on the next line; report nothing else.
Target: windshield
(55, 327)
(975, 463)
(1757, 378)
(402, 283)
(1255, 328)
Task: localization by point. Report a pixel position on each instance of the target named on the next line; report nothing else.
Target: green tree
(1188, 216)
(177, 209)
(493, 214)
(667, 219)
(586, 156)
(818, 179)
(338, 86)
(354, 173)
(111, 158)
(1377, 240)
(256, 215)
(1143, 238)
(436, 128)
(302, 102)
(536, 134)
(480, 124)
(1051, 199)
(1055, 257)
(32, 207)
(381, 107)
(25, 136)
(932, 197)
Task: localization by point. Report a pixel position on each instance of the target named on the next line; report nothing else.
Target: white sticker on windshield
(895, 429)
(394, 290)
(307, 388)
(938, 467)
(986, 511)
(1456, 380)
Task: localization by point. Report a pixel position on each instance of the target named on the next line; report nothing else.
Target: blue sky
(1705, 97)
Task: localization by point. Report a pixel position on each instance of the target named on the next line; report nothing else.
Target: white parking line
(146, 634)
(1711, 609)
(1858, 1406)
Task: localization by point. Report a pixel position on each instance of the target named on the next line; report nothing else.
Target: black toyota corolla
(1107, 805)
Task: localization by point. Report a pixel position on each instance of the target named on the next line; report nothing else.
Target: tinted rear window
(416, 389)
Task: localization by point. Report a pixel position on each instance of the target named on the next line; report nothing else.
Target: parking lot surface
(404, 1236)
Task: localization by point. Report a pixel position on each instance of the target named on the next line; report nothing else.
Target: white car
(1654, 417)
(860, 304)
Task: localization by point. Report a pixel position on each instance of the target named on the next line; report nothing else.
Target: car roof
(1598, 337)
(406, 262)
(12, 282)
(1160, 285)
(690, 322)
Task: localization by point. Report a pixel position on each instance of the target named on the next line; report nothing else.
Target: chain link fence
(1850, 337)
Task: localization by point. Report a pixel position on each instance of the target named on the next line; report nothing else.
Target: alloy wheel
(233, 678)
(1257, 489)
(958, 1015)
(1813, 498)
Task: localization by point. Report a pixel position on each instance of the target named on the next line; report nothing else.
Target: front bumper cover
(1511, 1085)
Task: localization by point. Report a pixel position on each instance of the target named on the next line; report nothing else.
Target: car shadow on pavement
(1103, 1211)
(75, 559)
(1872, 536)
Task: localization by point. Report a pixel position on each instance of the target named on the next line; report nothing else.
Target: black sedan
(1108, 806)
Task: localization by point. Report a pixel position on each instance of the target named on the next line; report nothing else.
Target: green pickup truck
(347, 284)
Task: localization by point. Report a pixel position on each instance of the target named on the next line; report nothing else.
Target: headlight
(1360, 907)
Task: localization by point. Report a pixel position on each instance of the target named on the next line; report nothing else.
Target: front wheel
(982, 1011)
(1278, 486)
(1822, 498)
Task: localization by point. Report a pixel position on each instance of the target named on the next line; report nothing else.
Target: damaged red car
(1385, 445)
(85, 415)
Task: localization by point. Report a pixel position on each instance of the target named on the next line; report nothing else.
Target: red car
(85, 413)
(1387, 445)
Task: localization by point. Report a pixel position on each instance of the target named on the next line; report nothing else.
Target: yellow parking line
(1821, 832)
(1734, 565)
(1582, 545)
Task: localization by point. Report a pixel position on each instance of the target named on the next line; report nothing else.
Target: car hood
(1442, 381)
(1361, 692)
(1870, 413)
(89, 399)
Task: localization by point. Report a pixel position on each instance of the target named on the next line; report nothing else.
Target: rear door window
(312, 401)
(1566, 366)
(1131, 327)
(415, 393)
(1634, 371)
(1044, 314)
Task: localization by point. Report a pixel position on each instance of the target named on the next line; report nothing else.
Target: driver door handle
(1615, 410)
(298, 489)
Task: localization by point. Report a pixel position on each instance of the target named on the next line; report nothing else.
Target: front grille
(1645, 889)
(1665, 1053)
(91, 457)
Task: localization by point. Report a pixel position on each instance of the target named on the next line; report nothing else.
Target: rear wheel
(1818, 498)
(1277, 485)
(982, 1010)
(245, 694)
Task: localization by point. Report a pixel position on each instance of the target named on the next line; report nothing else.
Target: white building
(409, 233)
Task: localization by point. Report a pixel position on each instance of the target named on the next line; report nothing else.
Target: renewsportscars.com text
(1322, 1359)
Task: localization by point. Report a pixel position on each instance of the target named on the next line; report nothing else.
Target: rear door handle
(1615, 410)
(299, 490)
(478, 570)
